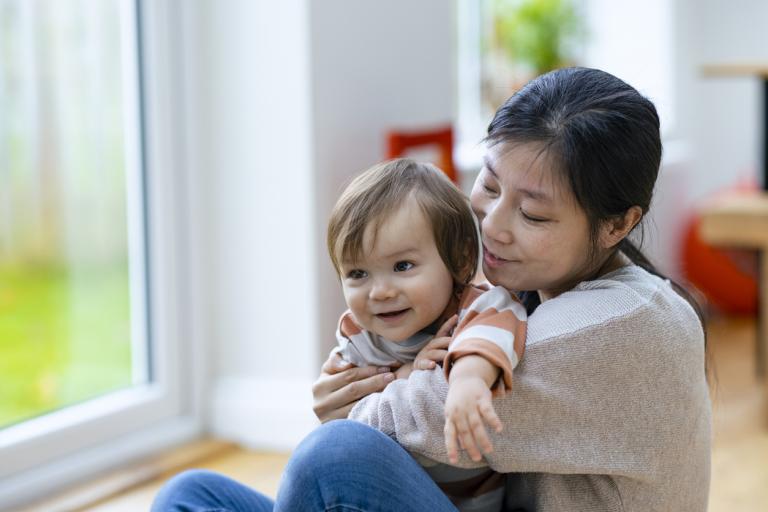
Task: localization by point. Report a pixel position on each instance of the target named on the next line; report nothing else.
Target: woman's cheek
(476, 203)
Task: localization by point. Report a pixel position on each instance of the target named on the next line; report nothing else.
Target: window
(633, 42)
(93, 302)
(65, 252)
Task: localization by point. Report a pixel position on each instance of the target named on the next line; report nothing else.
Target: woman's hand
(342, 384)
(435, 351)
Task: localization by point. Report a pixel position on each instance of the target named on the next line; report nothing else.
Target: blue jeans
(342, 466)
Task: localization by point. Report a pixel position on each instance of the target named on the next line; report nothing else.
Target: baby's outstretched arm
(468, 407)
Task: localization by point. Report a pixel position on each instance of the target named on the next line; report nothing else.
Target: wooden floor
(740, 455)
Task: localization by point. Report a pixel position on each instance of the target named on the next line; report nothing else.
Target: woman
(609, 408)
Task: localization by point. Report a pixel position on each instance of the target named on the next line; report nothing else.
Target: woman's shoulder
(615, 305)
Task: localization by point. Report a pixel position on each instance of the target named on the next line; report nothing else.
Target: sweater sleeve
(612, 383)
(347, 331)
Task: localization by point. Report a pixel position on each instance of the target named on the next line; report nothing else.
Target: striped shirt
(491, 324)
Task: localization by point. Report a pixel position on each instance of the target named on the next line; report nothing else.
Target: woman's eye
(531, 217)
(487, 187)
(402, 266)
(357, 274)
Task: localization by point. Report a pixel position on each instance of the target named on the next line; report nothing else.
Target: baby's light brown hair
(378, 191)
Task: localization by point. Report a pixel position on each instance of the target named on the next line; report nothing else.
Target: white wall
(375, 66)
(720, 116)
(264, 309)
(300, 96)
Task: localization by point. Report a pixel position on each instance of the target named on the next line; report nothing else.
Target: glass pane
(65, 293)
(525, 38)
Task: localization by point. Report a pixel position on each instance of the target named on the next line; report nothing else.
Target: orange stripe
(348, 326)
(491, 352)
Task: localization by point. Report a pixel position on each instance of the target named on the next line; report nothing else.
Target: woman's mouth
(491, 259)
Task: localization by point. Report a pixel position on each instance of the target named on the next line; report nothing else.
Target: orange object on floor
(728, 278)
(728, 285)
(399, 142)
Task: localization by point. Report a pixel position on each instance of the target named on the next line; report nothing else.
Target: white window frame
(62, 448)
(602, 49)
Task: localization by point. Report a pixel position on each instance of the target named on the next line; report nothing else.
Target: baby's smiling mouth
(391, 314)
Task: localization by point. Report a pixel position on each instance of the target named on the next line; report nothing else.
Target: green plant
(537, 33)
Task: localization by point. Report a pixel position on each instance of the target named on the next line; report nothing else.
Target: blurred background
(167, 168)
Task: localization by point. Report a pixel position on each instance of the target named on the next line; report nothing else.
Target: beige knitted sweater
(609, 409)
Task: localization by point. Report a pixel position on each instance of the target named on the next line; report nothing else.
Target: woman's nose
(496, 224)
(382, 289)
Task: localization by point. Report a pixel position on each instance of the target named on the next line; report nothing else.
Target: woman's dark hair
(602, 136)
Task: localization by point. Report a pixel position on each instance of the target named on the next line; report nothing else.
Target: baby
(404, 243)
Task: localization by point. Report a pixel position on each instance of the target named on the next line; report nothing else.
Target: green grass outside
(64, 338)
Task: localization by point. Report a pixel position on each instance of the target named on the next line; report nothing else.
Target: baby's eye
(357, 274)
(402, 266)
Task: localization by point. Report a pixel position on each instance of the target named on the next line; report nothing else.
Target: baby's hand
(404, 371)
(469, 405)
(435, 351)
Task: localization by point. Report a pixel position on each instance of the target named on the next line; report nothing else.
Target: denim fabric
(197, 490)
(342, 466)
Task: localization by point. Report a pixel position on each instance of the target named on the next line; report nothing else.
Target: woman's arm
(611, 383)
(341, 385)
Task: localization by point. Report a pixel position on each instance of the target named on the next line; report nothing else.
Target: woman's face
(535, 235)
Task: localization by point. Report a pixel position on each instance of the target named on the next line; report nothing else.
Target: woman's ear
(615, 230)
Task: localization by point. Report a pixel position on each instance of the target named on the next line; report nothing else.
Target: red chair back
(399, 142)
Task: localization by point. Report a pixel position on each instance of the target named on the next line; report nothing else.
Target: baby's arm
(486, 347)
(468, 405)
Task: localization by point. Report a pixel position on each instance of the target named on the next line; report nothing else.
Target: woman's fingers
(330, 382)
(334, 395)
(338, 414)
(335, 364)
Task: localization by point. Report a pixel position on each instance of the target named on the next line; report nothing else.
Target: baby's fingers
(447, 327)
(451, 442)
(479, 434)
(489, 415)
(466, 437)
(424, 364)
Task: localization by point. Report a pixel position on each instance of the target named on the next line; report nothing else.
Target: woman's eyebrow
(535, 194)
(487, 163)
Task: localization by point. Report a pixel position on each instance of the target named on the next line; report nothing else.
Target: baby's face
(400, 284)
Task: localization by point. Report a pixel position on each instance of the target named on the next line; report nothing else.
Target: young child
(404, 243)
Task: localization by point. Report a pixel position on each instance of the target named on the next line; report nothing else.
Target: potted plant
(536, 35)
